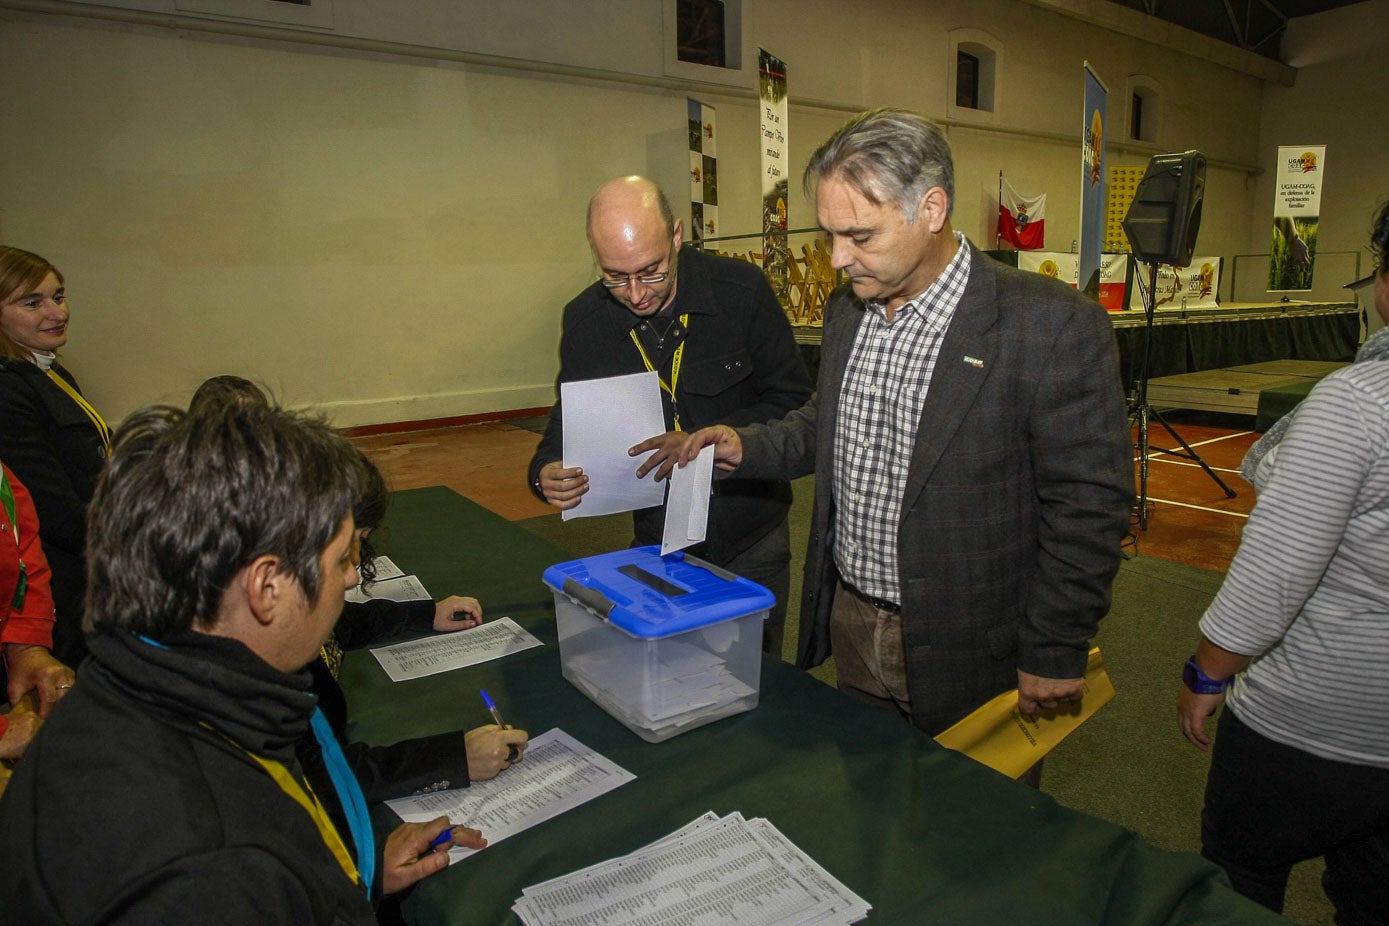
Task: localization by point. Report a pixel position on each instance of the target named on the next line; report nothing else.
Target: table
(923, 834)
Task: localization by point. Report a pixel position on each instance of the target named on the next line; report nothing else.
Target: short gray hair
(888, 155)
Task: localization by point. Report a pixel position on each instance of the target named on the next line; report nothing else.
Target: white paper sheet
(386, 569)
(401, 588)
(448, 651)
(687, 503)
(556, 774)
(602, 418)
(728, 871)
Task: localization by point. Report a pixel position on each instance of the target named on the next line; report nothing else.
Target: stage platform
(1224, 337)
(1264, 390)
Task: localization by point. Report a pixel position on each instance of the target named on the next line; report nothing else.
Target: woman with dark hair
(1296, 646)
(444, 760)
(50, 435)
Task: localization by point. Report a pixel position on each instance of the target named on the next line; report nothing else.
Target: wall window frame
(981, 54)
(735, 71)
(1143, 105)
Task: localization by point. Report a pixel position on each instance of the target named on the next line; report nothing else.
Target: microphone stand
(1143, 412)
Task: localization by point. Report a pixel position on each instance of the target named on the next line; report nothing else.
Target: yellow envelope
(999, 736)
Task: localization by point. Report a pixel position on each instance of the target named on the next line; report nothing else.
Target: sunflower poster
(1292, 252)
(1092, 183)
(704, 173)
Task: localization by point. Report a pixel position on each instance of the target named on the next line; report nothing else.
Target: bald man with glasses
(713, 331)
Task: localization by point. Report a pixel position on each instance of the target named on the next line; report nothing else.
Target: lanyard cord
(303, 796)
(354, 803)
(22, 583)
(668, 388)
(101, 429)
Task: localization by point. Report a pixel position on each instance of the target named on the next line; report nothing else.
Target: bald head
(624, 206)
(632, 232)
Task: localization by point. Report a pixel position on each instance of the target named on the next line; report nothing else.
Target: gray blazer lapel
(966, 356)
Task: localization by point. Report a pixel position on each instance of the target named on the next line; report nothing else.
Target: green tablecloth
(923, 834)
(1276, 402)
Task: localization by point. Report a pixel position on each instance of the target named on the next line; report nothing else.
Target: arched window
(1145, 109)
(973, 80)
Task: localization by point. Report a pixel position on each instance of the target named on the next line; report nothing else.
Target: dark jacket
(1018, 491)
(426, 763)
(740, 366)
(50, 444)
(138, 803)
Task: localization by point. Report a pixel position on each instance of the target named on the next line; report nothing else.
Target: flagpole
(998, 239)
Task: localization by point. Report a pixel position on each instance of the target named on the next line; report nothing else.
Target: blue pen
(492, 708)
(444, 837)
(512, 753)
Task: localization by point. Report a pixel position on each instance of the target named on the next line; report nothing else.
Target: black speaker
(1165, 214)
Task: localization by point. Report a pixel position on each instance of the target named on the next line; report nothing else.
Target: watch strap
(1201, 683)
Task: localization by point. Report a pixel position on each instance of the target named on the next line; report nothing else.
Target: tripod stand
(1143, 412)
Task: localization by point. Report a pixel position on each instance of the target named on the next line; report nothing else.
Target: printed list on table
(555, 774)
(715, 871)
(448, 651)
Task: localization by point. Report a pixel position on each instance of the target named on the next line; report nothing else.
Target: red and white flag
(1021, 219)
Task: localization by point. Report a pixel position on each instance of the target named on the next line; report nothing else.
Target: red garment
(33, 622)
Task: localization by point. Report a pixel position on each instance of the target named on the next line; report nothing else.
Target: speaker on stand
(1161, 226)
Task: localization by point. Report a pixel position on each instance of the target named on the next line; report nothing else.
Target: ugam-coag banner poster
(771, 80)
(1292, 253)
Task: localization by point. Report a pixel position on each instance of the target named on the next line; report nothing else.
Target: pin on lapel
(974, 362)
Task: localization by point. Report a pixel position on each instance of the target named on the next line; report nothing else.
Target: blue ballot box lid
(653, 596)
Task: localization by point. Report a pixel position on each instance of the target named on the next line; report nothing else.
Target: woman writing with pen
(431, 763)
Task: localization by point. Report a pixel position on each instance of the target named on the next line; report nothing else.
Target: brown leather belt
(882, 604)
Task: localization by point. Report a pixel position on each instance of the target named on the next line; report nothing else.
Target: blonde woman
(50, 436)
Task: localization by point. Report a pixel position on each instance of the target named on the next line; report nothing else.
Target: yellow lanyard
(101, 429)
(331, 653)
(668, 388)
(304, 797)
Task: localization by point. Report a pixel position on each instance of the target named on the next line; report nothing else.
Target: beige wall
(391, 237)
(1338, 101)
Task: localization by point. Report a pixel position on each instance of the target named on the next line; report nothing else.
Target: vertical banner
(1092, 183)
(1292, 253)
(771, 81)
(704, 173)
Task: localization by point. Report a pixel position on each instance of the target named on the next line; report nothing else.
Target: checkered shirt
(880, 403)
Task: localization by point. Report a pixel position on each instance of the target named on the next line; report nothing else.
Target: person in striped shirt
(1296, 645)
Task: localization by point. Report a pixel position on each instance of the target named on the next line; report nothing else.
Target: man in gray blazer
(972, 445)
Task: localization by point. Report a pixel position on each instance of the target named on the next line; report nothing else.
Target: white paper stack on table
(715, 870)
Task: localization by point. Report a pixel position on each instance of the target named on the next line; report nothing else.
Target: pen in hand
(445, 837)
(492, 708)
(512, 753)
